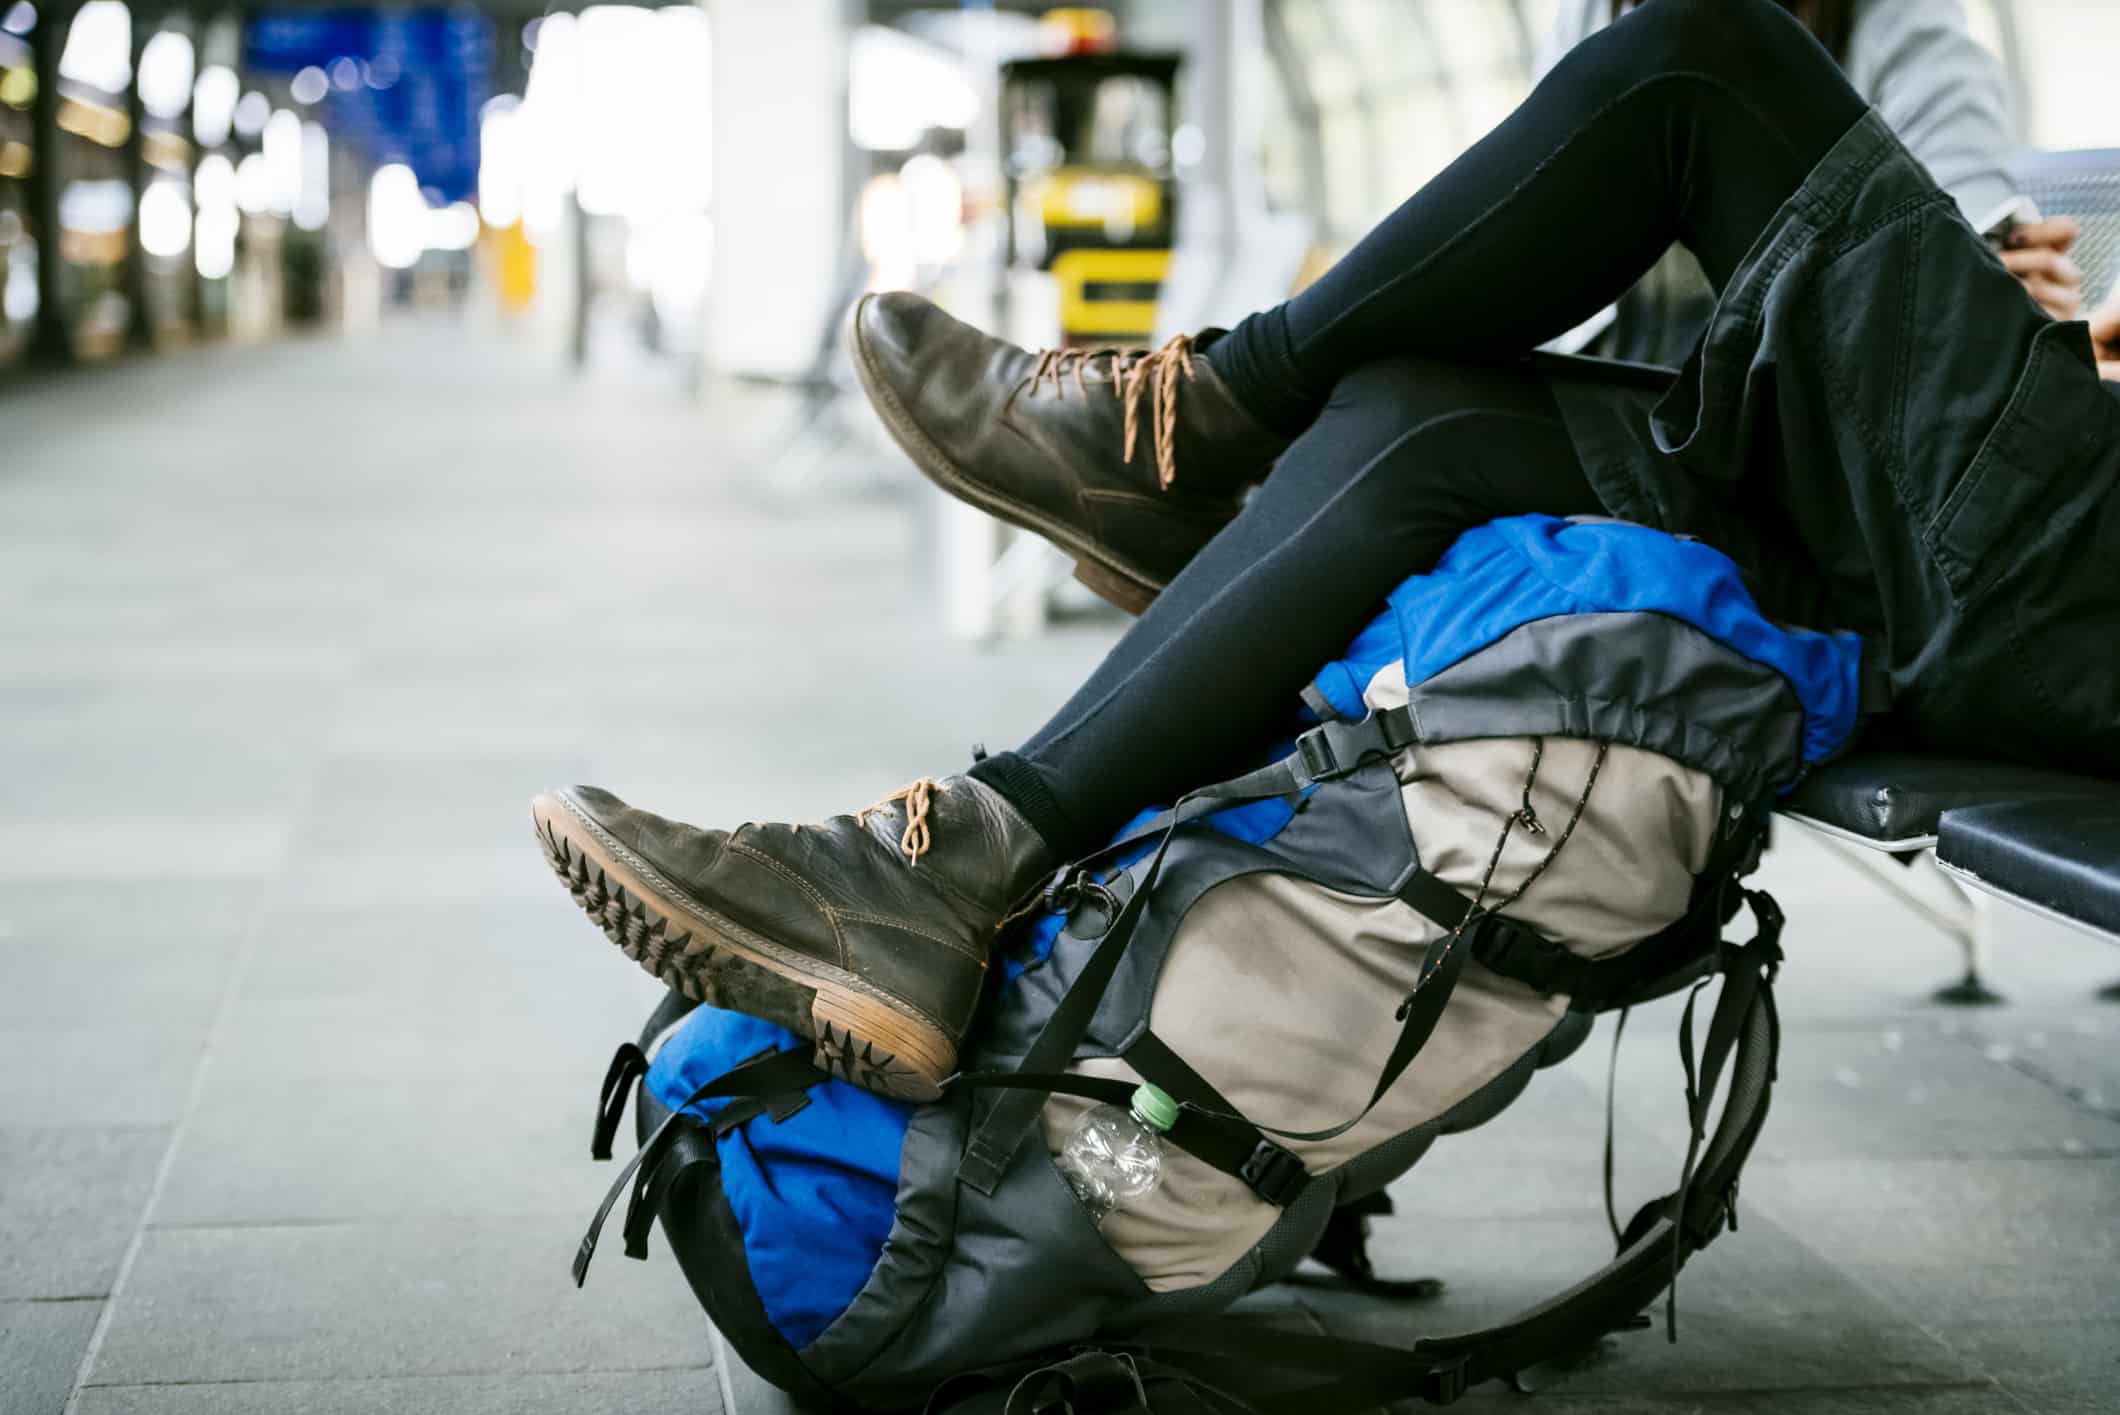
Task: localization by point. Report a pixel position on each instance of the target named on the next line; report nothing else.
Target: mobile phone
(2015, 212)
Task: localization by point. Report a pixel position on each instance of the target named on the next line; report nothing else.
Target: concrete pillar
(51, 338)
(778, 146)
(140, 322)
(584, 281)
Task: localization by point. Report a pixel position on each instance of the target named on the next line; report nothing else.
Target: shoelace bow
(1134, 374)
(918, 797)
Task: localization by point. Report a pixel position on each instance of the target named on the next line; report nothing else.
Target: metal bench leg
(1971, 935)
(1962, 914)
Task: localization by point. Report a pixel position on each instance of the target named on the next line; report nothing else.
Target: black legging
(1688, 120)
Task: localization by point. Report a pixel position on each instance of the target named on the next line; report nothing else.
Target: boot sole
(858, 1032)
(1116, 583)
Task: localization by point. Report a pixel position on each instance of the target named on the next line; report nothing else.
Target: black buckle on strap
(1315, 750)
(1062, 889)
(1517, 953)
(1448, 1384)
(1274, 1174)
(1334, 749)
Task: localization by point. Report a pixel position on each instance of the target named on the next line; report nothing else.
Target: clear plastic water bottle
(1114, 1157)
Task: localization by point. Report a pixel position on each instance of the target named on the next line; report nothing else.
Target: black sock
(1020, 784)
(1254, 359)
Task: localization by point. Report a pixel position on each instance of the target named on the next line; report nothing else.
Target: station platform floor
(299, 1042)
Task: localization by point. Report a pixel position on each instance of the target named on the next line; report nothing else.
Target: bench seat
(1896, 801)
(2058, 857)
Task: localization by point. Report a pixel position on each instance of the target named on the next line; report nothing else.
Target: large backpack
(1525, 796)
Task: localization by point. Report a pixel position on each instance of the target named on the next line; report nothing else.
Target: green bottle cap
(1154, 1108)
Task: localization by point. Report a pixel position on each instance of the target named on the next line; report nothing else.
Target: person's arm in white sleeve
(1947, 99)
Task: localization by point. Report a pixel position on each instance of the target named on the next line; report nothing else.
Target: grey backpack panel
(1352, 838)
(1662, 685)
(961, 1272)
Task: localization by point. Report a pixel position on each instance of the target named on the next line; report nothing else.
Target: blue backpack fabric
(1509, 573)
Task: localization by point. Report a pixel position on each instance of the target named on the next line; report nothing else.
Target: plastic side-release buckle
(1320, 762)
(1274, 1174)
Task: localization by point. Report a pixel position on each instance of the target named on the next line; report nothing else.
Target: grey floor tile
(40, 1351)
(158, 843)
(500, 1140)
(161, 980)
(409, 1298)
(555, 1004)
(467, 870)
(1636, 1371)
(70, 1198)
(1973, 1398)
(1913, 1086)
(2067, 1367)
(692, 1392)
(1962, 1241)
(82, 1074)
(364, 802)
(395, 956)
(121, 954)
(1757, 1311)
(2074, 1050)
(122, 910)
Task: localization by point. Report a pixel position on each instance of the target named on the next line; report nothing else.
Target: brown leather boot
(868, 933)
(1054, 442)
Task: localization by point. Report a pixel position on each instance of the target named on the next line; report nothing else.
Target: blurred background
(706, 188)
(406, 409)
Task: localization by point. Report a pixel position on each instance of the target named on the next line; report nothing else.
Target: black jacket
(1890, 436)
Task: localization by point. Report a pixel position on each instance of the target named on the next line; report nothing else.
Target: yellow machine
(1087, 139)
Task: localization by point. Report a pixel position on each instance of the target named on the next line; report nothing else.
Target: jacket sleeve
(1942, 93)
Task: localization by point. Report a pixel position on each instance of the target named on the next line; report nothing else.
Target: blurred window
(1376, 96)
(1399, 88)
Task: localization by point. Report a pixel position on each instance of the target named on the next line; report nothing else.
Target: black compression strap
(1152, 1057)
(1215, 1130)
(1441, 904)
(1226, 1143)
(628, 1065)
(994, 1145)
(1597, 984)
(770, 1075)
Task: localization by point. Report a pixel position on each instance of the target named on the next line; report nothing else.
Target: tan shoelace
(1133, 374)
(918, 797)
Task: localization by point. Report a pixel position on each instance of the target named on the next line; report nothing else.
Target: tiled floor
(298, 1041)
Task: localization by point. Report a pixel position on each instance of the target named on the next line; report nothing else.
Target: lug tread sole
(855, 1031)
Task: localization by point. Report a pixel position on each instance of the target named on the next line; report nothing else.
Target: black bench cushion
(1900, 796)
(2059, 855)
